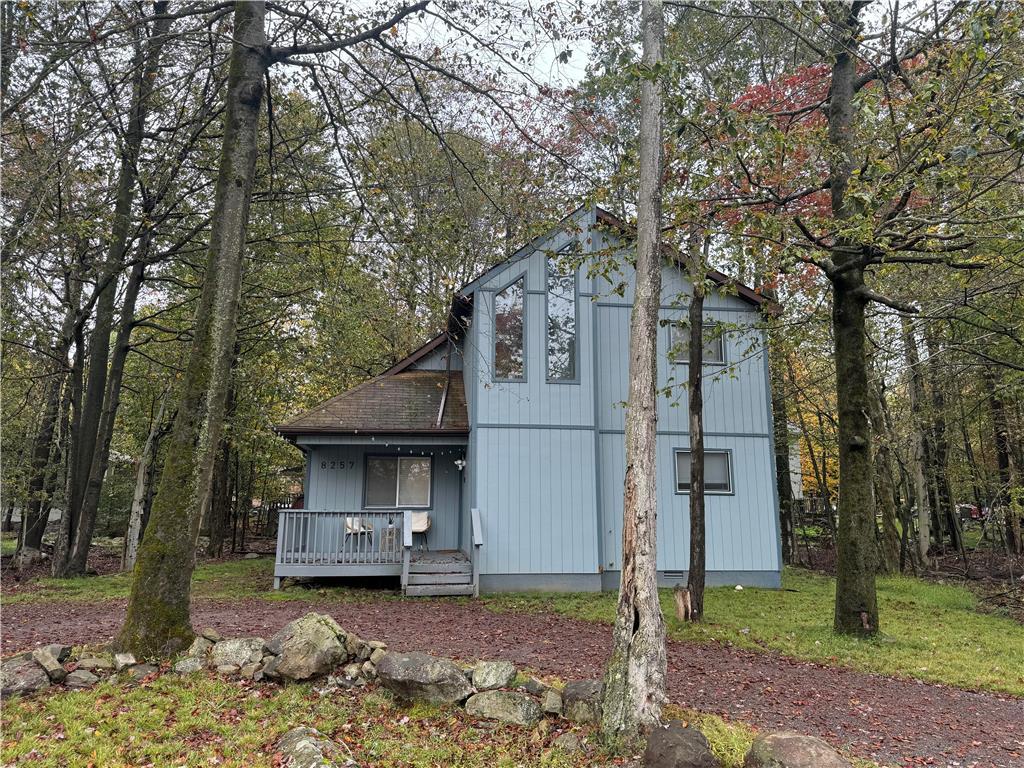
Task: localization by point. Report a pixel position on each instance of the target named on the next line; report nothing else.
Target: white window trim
(685, 359)
(686, 491)
(398, 482)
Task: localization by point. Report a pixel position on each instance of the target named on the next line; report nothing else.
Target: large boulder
(581, 701)
(308, 748)
(507, 706)
(677, 746)
(51, 658)
(493, 674)
(418, 676)
(22, 675)
(792, 750)
(237, 652)
(307, 647)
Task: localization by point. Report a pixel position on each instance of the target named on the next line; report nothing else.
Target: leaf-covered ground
(888, 720)
(199, 720)
(748, 663)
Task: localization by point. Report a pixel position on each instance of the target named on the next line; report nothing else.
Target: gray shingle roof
(390, 404)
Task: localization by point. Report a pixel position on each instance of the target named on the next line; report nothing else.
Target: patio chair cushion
(420, 522)
(357, 525)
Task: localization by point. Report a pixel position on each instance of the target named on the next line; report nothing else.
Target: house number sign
(334, 464)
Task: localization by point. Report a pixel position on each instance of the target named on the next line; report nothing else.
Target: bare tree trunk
(1001, 434)
(919, 453)
(102, 396)
(635, 678)
(780, 430)
(220, 502)
(885, 491)
(36, 510)
(73, 411)
(158, 618)
(143, 479)
(856, 607)
(695, 388)
(36, 514)
(945, 508)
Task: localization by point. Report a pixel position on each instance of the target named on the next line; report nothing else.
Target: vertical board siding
(342, 489)
(537, 499)
(545, 457)
(740, 528)
(438, 360)
(734, 395)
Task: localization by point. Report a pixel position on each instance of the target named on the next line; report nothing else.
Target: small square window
(717, 471)
(679, 343)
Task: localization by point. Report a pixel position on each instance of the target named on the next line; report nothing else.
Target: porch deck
(313, 543)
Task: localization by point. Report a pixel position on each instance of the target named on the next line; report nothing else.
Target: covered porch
(385, 486)
(315, 544)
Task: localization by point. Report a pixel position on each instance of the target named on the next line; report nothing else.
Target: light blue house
(504, 435)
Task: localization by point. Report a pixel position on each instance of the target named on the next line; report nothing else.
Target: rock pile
(307, 648)
(56, 664)
(315, 646)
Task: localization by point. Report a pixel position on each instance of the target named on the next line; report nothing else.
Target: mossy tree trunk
(158, 621)
(635, 677)
(856, 605)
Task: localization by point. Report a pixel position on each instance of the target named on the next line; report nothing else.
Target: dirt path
(897, 722)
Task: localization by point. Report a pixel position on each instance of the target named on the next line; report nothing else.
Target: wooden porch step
(438, 590)
(440, 578)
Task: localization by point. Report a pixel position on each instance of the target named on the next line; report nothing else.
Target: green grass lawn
(199, 720)
(929, 631)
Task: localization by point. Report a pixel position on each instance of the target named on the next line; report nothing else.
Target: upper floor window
(509, 358)
(561, 332)
(717, 471)
(679, 343)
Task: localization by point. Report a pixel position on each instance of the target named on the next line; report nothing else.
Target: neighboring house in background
(507, 431)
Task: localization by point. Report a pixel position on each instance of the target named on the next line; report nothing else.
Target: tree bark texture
(143, 482)
(780, 428)
(101, 390)
(885, 487)
(635, 678)
(73, 411)
(919, 453)
(1001, 435)
(856, 606)
(695, 390)
(158, 619)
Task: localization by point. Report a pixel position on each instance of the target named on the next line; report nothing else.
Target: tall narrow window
(561, 323)
(679, 343)
(508, 332)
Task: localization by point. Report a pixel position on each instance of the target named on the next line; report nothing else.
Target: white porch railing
(310, 538)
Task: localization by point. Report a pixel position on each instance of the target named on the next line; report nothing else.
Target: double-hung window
(394, 482)
(717, 471)
(679, 343)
